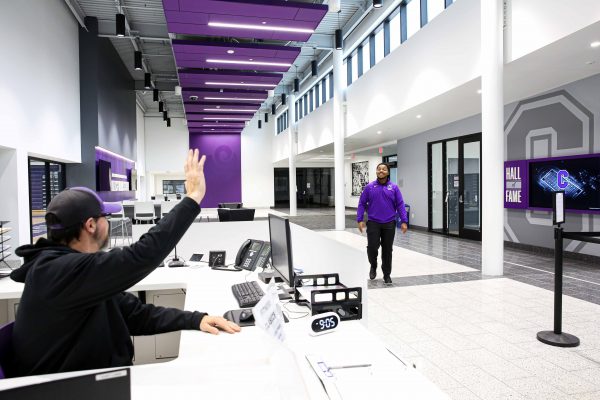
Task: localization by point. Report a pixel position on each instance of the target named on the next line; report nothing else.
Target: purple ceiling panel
(230, 80)
(212, 109)
(254, 19)
(194, 54)
(171, 5)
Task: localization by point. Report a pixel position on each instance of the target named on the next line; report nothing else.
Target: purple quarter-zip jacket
(382, 202)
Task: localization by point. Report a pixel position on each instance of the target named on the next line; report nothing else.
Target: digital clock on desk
(324, 323)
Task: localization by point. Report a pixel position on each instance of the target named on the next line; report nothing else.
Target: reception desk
(250, 364)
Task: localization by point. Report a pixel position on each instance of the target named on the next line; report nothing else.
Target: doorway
(454, 187)
(315, 187)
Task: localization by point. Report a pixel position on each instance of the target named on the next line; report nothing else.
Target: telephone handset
(253, 254)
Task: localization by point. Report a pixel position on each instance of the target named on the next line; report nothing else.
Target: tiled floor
(475, 337)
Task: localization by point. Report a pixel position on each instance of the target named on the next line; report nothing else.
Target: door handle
(460, 199)
(446, 199)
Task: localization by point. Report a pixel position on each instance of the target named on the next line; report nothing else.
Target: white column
(291, 101)
(492, 121)
(338, 140)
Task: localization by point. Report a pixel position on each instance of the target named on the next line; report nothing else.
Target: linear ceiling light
(233, 99)
(243, 62)
(240, 84)
(221, 125)
(260, 27)
(137, 60)
(229, 110)
(226, 118)
(120, 25)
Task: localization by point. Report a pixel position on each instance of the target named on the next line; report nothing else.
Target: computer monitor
(281, 248)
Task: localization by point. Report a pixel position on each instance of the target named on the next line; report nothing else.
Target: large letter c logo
(561, 179)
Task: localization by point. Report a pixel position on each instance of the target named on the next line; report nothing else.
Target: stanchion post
(557, 337)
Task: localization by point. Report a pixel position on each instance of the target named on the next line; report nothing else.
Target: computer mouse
(246, 316)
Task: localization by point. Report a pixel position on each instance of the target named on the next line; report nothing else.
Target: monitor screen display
(578, 177)
(281, 247)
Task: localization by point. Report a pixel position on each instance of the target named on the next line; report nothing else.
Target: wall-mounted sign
(516, 184)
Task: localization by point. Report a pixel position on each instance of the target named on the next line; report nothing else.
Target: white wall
(39, 92)
(534, 24)
(352, 201)
(316, 129)
(281, 146)
(257, 166)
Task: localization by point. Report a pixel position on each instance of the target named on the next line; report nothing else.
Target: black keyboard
(247, 294)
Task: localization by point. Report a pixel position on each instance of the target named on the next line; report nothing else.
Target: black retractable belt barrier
(557, 337)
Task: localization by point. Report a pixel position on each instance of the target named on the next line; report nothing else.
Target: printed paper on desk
(268, 315)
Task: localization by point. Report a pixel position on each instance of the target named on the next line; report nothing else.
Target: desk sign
(516, 184)
(268, 315)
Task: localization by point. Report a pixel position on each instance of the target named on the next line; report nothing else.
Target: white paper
(268, 315)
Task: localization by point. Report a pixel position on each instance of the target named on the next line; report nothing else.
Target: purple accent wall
(223, 167)
(516, 184)
(118, 166)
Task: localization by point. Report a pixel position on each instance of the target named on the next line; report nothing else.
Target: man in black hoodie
(74, 313)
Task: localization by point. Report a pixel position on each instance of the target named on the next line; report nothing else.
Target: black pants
(381, 234)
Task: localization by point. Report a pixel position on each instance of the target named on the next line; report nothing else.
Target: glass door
(470, 187)
(454, 167)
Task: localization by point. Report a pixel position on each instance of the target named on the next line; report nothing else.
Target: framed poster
(360, 177)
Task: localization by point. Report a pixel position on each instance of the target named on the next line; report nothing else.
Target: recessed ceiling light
(251, 59)
(595, 44)
(478, 91)
(419, 116)
(218, 106)
(259, 27)
(249, 62)
(379, 132)
(230, 51)
(264, 22)
(212, 129)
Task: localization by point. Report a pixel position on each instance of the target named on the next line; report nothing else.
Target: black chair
(231, 205)
(236, 214)
(178, 196)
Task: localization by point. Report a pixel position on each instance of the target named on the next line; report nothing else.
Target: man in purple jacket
(383, 201)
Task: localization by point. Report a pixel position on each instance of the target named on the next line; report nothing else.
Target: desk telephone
(253, 254)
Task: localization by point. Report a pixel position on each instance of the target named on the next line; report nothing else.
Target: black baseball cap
(75, 205)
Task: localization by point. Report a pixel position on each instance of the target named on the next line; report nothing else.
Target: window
(354, 66)
(296, 113)
(305, 105)
(282, 121)
(317, 97)
(413, 17)
(301, 108)
(366, 56)
(379, 43)
(434, 8)
(348, 71)
(330, 78)
(312, 103)
(323, 90)
(395, 30)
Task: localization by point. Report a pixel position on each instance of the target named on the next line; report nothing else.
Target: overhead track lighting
(147, 81)
(137, 60)
(165, 116)
(120, 25)
(273, 108)
(161, 106)
(283, 99)
(377, 3)
(339, 39)
(259, 124)
(314, 68)
(266, 117)
(296, 85)
(262, 27)
(168, 122)
(155, 95)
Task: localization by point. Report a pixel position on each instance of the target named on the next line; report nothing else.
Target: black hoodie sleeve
(79, 279)
(148, 319)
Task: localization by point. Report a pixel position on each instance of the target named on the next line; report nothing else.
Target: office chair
(121, 224)
(236, 214)
(5, 345)
(166, 207)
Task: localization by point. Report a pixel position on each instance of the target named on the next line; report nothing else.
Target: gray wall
(559, 122)
(108, 109)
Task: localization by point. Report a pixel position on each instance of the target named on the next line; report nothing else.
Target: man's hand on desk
(212, 325)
